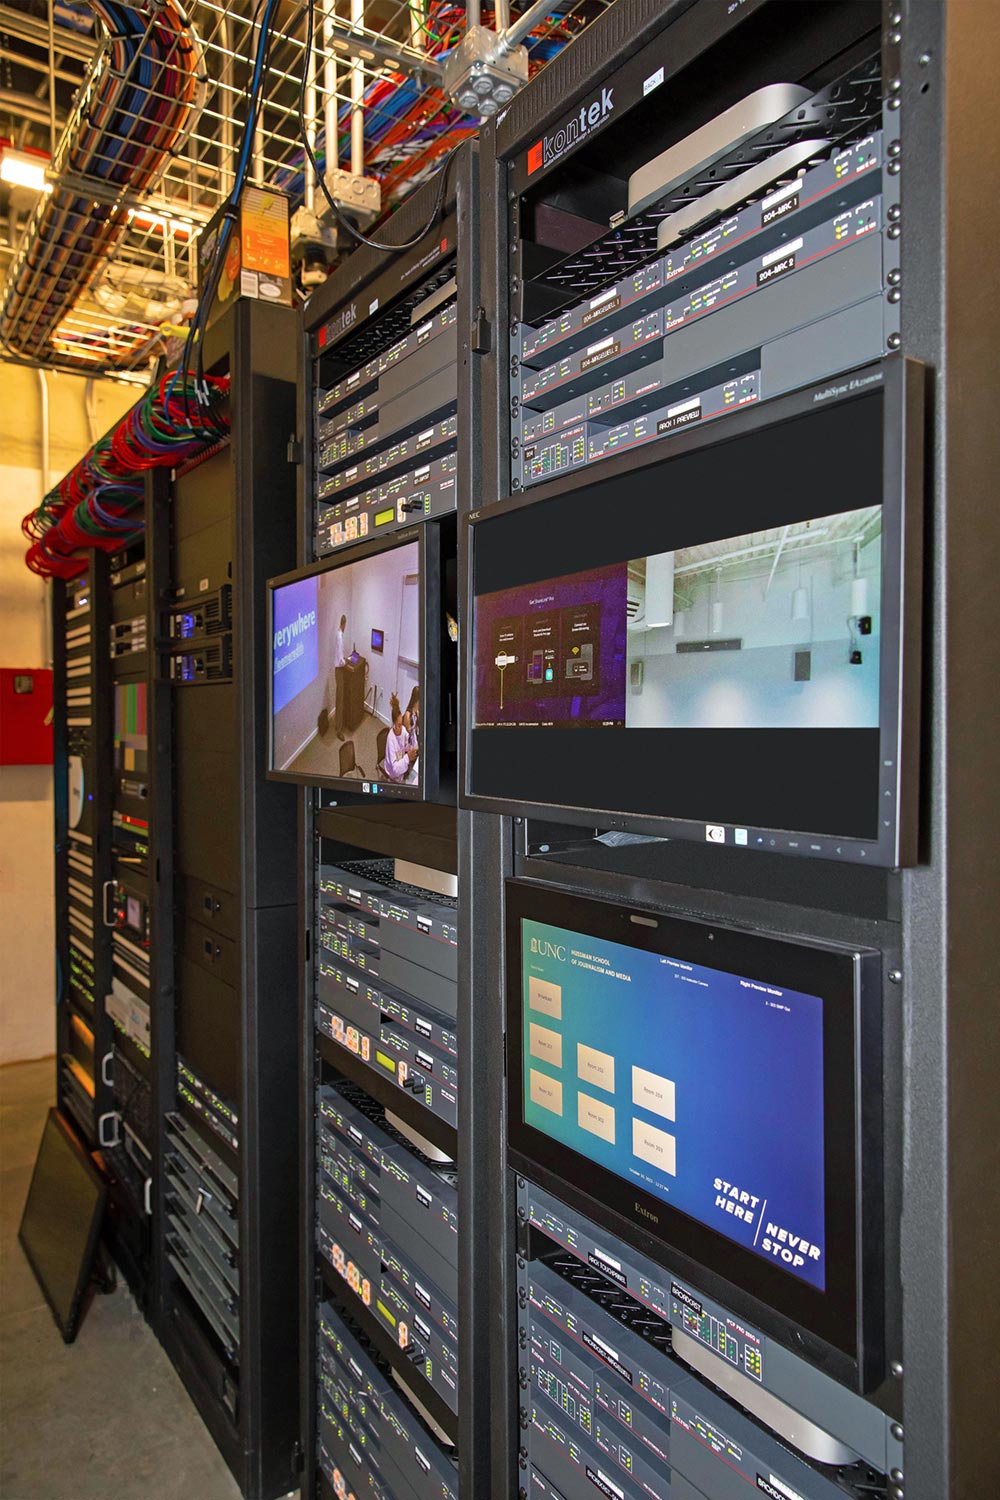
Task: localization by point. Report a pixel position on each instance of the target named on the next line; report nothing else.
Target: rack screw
(897, 1369)
(897, 1431)
(896, 977)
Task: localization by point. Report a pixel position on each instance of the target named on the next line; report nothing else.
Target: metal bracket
(106, 888)
(482, 333)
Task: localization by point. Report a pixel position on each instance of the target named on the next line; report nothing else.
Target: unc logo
(546, 949)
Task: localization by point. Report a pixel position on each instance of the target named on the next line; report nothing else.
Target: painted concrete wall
(27, 977)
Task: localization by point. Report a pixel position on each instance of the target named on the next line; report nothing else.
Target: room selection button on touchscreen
(596, 1116)
(595, 1067)
(546, 1092)
(545, 997)
(654, 1093)
(546, 1045)
(655, 1146)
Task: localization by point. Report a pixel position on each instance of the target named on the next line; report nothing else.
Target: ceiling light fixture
(717, 605)
(20, 169)
(859, 587)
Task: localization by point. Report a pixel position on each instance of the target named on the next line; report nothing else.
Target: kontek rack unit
(389, 1332)
(742, 910)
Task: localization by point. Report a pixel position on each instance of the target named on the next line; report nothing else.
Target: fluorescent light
(859, 597)
(800, 603)
(22, 170)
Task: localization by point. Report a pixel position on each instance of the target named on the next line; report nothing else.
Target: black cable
(341, 217)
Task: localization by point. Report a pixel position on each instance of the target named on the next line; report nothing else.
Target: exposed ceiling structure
(759, 553)
(135, 111)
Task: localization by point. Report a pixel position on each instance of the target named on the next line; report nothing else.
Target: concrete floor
(104, 1417)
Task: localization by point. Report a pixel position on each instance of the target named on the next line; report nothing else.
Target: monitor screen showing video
(726, 624)
(698, 1081)
(346, 673)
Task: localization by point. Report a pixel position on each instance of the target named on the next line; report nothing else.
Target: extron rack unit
(177, 901)
(726, 758)
(364, 717)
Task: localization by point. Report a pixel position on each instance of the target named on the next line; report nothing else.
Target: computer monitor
(733, 625)
(61, 1223)
(715, 1098)
(370, 723)
(130, 728)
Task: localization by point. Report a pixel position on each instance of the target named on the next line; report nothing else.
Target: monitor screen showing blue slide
(295, 661)
(701, 1087)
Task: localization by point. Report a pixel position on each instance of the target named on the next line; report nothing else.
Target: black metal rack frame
(336, 322)
(927, 922)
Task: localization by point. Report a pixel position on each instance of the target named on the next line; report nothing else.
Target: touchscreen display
(702, 1087)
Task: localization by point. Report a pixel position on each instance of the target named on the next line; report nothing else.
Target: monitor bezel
(901, 383)
(429, 676)
(71, 1326)
(840, 1330)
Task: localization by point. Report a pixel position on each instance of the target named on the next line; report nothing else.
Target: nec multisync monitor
(718, 645)
(356, 698)
(713, 1097)
(61, 1223)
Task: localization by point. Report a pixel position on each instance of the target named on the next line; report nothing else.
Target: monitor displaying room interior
(740, 1156)
(346, 677)
(726, 623)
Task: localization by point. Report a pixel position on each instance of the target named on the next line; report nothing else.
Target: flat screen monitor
(61, 1223)
(708, 1090)
(341, 713)
(711, 646)
(131, 734)
(378, 641)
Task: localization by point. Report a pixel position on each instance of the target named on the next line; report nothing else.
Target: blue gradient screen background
(745, 1061)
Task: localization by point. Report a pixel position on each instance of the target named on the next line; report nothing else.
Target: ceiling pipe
(357, 98)
(52, 79)
(513, 36)
(43, 435)
(37, 65)
(28, 106)
(28, 28)
(225, 107)
(331, 132)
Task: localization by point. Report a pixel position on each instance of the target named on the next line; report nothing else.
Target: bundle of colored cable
(99, 502)
(140, 101)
